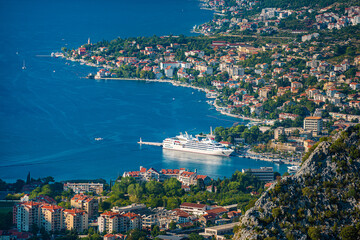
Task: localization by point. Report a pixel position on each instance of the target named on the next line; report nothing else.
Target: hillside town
(293, 73)
(301, 89)
(78, 206)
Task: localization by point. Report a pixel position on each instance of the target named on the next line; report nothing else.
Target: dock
(150, 143)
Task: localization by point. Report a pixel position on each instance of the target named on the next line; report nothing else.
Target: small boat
(98, 139)
(293, 169)
(23, 67)
(90, 76)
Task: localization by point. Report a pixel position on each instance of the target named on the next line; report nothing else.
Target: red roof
(74, 211)
(192, 205)
(201, 176)
(51, 207)
(217, 210)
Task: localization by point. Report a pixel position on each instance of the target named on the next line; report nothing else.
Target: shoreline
(177, 84)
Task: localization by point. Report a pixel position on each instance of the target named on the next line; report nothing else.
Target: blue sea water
(50, 115)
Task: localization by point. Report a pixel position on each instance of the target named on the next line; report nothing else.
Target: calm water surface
(50, 115)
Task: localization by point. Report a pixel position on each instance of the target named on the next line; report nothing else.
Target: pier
(150, 143)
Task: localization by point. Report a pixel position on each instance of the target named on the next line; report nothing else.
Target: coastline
(177, 84)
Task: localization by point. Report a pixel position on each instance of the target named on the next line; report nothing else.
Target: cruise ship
(188, 143)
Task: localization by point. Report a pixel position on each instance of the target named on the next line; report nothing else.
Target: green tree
(314, 233)
(172, 203)
(195, 236)
(154, 187)
(135, 191)
(349, 233)
(172, 187)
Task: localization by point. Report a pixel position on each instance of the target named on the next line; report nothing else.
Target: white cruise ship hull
(222, 152)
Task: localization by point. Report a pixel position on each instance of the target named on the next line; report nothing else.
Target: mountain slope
(321, 201)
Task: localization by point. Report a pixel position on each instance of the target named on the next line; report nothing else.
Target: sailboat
(24, 67)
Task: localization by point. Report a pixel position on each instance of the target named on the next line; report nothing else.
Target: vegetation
(169, 194)
(308, 204)
(249, 135)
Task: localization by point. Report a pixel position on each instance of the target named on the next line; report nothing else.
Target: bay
(50, 115)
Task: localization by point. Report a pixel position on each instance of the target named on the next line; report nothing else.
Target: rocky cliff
(321, 201)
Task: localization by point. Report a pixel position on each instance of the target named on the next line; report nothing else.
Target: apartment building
(75, 219)
(313, 124)
(83, 187)
(86, 203)
(115, 222)
(52, 218)
(26, 215)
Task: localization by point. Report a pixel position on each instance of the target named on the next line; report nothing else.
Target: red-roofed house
(187, 178)
(194, 208)
(109, 236)
(219, 211)
(205, 178)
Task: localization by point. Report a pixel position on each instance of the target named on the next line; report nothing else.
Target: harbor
(247, 155)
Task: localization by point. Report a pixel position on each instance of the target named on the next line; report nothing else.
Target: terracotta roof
(201, 176)
(217, 210)
(187, 174)
(313, 118)
(109, 235)
(51, 207)
(193, 205)
(74, 211)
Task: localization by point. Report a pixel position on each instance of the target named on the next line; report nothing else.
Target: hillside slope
(321, 201)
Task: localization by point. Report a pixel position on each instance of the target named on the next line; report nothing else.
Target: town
(296, 89)
(191, 204)
(291, 72)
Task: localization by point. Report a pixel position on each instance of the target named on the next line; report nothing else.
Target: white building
(313, 123)
(194, 208)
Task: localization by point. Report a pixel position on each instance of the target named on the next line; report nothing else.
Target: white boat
(98, 139)
(293, 168)
(188, 143)
(23, 67)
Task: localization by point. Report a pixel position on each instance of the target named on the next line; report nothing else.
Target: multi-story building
(86, 203)
(75, 219)
(133, 221)
(194, 208)
(278, 132)
(265, 174)
(52, 218)
(313, 123)
(187, 178)
(116, 222)
(83, 187)
(111, 222)
(26, 215)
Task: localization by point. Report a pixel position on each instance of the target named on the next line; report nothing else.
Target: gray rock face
(317, 202)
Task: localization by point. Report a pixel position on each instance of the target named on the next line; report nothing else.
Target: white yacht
(293, 169)
(188, 143)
